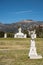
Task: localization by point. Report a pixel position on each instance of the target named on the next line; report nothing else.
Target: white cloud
(20, 12)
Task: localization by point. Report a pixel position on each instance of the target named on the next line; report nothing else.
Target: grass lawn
(15, 51)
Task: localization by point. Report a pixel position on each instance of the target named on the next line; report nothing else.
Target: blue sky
(16, 10)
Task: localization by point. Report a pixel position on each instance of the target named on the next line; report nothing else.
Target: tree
(26, 32)
(39, 31)
(11, 35)
(1, 34)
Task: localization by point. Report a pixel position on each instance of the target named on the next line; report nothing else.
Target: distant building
(20, 34)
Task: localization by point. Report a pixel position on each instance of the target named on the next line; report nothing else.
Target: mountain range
(13, 27)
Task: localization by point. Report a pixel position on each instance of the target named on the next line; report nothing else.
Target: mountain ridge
(13, 27)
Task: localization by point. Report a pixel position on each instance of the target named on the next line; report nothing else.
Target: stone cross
(33, 53)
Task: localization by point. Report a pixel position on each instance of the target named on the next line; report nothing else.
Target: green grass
(15, 51)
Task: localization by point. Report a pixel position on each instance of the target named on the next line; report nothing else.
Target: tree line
(39, 32)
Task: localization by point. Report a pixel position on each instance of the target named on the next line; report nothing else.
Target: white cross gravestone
(33, 53)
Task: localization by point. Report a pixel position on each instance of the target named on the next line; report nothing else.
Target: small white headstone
(25, 36)
(5, 35)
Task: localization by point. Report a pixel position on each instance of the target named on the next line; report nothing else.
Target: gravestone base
(36, 57)
(33, 53)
